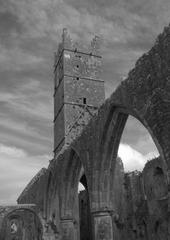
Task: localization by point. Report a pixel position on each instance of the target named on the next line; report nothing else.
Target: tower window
(84, 101)
(77, 78)
(77, 66)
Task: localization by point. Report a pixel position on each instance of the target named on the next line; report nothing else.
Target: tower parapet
(78, 89)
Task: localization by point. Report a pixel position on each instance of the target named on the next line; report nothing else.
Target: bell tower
(78, 89)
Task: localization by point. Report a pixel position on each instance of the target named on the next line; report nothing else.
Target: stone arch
(72, 170)
(51, 201)
(115, 117)
(112, 130)
(115, 122)
(144, 94)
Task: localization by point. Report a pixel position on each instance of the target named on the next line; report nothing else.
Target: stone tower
(78, 89)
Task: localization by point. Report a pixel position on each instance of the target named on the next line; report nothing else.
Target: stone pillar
(168, 180)
(68, 229)
(49, 236)
(103, 229)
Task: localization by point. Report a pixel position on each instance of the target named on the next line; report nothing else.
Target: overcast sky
(30, 31)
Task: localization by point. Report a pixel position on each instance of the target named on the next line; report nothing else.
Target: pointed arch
(72, 170)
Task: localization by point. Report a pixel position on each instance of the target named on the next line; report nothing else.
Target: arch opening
(136, 146)
(84, 209)
(123, 186)
(137, 175)
(74, 198)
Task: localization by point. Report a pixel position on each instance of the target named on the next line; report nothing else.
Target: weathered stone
(122, 206)
(20, 222)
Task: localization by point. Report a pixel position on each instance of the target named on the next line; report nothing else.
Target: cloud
(29, 98)
(22, 59)
(16, 170)
(80, 187)
(137, 145)
(132, 159)
(26, 117)
(12, 151)
(31, 145)
(136, 135)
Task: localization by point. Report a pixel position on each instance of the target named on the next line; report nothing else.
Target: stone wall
(20, 222)
(147, 203)
(139, 203)
(144, 206)
(34, 192)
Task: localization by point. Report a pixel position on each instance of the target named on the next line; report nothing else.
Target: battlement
(67, 43)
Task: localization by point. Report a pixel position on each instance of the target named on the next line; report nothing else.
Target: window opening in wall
(77, 78)
(14, 227)
(84, 101)
(158, 171)
(77, 66)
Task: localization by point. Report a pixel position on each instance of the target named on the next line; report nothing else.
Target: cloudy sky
(29, 33)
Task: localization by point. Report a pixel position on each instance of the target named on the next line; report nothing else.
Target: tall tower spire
(78, 89)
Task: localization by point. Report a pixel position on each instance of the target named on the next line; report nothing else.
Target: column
(103, 229)
(68, 229)
(168, 180)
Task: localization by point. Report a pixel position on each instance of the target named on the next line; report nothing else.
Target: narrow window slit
(84, 101)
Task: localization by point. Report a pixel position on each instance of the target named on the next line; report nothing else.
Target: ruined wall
(134, 200)
(145, 95)
(34, 192)
(139, 203)
(43, 191)
(20, 222)
(156, 190)
(146, 203)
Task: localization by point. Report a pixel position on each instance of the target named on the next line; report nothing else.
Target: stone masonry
(119, 206)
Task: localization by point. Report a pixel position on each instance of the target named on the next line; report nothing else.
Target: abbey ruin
(87, 129)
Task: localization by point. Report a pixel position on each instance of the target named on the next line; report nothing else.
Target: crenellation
(95, 46)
